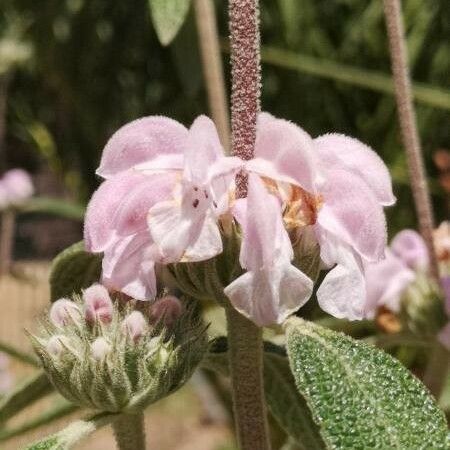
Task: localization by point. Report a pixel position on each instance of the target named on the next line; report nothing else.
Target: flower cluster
(112, 357)
(169, 197)
(402, 280)
(15, 187)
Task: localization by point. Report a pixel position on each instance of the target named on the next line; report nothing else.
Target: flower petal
(131, 214)
(284, 152)
(410, 247)
(140, 141)
(352, 213)
(99, 231)
(203, 149)
(270, 296)
(337, 151)
(272, 288)
(183, 232)
(342, 292)
(128, 267)
(386, 281)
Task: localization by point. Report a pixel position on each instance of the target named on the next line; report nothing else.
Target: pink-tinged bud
(167, 309)
(135, 325)
(100, 348)
(64, 312)
(18, 185)
(98, 304)
(55, 345)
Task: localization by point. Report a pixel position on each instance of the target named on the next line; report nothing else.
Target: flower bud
(55, 345)
(18, 186)
(166, 310)
(98, 304)
(100, 348)
(63, 312)
(135, 325)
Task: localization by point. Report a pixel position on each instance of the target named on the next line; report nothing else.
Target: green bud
(122, 365)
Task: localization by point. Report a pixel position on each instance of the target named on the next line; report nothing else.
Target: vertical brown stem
(6, 240)
(244, 337)
(246, 80)
(437, 369)
(246, 367)
(212, 67)
(408, 124)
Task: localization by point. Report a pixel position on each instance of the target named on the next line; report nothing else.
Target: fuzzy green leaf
(286, 405)
(360, 396)
(24, 395)
(168, 17)
(73, 433)
(72, 270)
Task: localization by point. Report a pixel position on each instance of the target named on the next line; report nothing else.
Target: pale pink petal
(272, 289)
(342, 292)
(410, 247)
(352, 213)
(131, 214)
(284, 152)
(203, 149)
(140, 141)
(337, 151)
(99, 230)
(128, 267)
(386, 281)
(185, 230)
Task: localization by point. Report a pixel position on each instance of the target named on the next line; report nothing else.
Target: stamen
(195, 202)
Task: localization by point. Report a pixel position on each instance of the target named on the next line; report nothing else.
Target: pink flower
(98, 304)
(165, 189)
(135, 325)
(168, 309)
(386, 282)
(409, 246)
(272, 288)
(63, 312)
(342, 197)
(16, 186)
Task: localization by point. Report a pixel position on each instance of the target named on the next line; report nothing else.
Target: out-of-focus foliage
(98, 64)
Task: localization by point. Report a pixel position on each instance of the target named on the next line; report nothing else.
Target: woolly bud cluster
(109, 356)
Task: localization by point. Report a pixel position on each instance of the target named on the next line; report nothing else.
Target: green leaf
(360, 396)
(73, 433)
(73, 270)
(24, 395)
(168, 17)
(283, 399)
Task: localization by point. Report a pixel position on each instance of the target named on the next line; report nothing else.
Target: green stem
(247, 384)
(129, 432)
(437, 369)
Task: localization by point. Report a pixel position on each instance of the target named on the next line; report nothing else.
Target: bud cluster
(110, 356)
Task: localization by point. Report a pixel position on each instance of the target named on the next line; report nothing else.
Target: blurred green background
(84, 68)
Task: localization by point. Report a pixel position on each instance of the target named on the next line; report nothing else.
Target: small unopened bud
(55, 345)
(63, 312)
(98, 304)
(166, 310)
(135, 325)
(100, 348)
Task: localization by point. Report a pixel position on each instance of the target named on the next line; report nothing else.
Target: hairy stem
(245, 80)
(436, 372)
(408, 124)
(6, 240)
(205, 15)
(246, 367)
(129, 432)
